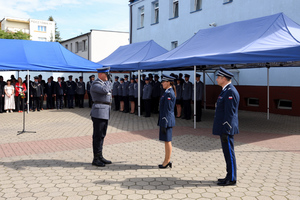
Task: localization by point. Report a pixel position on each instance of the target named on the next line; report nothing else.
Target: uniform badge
(230, 97)
(169, 98)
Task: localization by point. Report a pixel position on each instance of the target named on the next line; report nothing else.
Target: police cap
(103, 69)
(225, 73)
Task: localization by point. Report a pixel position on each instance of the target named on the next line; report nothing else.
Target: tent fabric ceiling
(128, 57)
(41, 56)
(273, 38)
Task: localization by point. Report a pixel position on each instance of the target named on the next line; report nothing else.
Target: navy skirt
(165, 137)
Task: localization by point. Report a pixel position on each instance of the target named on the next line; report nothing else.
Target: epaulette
(229, 88)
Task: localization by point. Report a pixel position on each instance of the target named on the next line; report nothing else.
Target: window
(155, 18)
(66, 46)
(227, 1)
(284, 104)
(174, 44)
(196, 5)
(42, 39)
(175, 8)
(42, 28)
(71, 47)
(253, 102)
(76, 47)
(142, 16)
(84, 45)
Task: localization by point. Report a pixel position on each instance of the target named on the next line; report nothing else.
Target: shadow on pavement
(157, 183)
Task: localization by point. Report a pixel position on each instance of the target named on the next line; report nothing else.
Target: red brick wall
(260, 92)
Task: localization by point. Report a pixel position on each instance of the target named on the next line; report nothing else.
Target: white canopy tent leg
(204, 91)
(28, 86)
(194, 96)
(268, 93)
(139, 93)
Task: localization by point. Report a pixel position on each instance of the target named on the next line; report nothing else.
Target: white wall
(103, 43)
(188, 23)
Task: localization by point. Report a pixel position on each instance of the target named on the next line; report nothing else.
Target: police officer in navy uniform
(199, 96)
(155, 94)
(166, 119)
(36, 90)
(120, 94)
(100, 113)
(131, 95)
(115, 93)
(178, 97)
(126, 94)
(147, 92)
(71, 90)
(226, 123)
(187, 89)
(80, 91)
(59, 92)
(88, 88)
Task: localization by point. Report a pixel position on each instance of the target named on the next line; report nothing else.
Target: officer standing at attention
(36, 93)
(147, 92)
(187, 89)
(71, 90)
(126, 94)
(199, 95)
(120, 94)
(80, 91)
(100, 113)
(155, 94)
(226, 123)
(115, 93)
(88, 88)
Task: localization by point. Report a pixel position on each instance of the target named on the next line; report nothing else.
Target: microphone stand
(23, 131)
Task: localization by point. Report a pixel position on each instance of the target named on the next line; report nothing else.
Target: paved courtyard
(55, 162)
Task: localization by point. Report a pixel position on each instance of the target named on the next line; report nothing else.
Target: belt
(99, 102)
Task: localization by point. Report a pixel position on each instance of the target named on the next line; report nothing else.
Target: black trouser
(36, 103)
(155, 104)
(65, 101)
(147, 104)
(187, 109)
(19, 103)
(42, 102)
(59, 101)
(198, 110)
(1, 103)
(80, 100)
(117, 102)
(126, 103)
(91, 101)
(77, 100)
(50, 102)
(229, 155)
(70, 98)
(99, 133)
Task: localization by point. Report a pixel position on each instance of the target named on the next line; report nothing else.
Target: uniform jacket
(88, 86)
(187, 89)
(156, 89)
(115, 88)
(101, 93)
(226, 115)
(131, 89)
(36, 89)
(17, 89)
(178, 91)
(49, 90)
(120, 89)
(147, 91)
(166, 109)
(80, 88)
(59, 89)
(71, 87)
(199, 91)
(125, 90)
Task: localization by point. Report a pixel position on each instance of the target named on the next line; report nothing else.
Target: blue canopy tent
(26, 55)
(21, 55)
(271, 41)
(128, 57)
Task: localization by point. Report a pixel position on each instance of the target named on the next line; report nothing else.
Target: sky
(72, 17)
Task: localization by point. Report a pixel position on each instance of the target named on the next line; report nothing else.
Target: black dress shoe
(98, 163)
(221, 179)
(105, 161)
(164, 167)
(227, 183)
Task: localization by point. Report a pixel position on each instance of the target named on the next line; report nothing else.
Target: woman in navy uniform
(166, 119)
(226, 123)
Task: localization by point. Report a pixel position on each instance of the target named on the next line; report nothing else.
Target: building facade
(171, 22)
(96, 44)
(39, 30)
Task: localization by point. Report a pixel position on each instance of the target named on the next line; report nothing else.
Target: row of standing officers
(125, 95)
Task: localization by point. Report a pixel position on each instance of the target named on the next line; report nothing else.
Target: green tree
(57, 34)
(14, 35)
